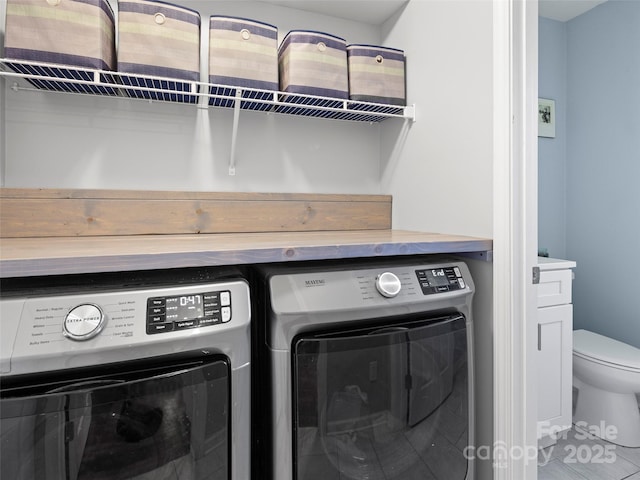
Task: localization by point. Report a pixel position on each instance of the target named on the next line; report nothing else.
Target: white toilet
(606, 373)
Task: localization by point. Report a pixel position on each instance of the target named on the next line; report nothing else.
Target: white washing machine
(126, 376)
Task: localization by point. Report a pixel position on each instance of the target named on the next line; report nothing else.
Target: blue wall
(552, 152)
(602, 162)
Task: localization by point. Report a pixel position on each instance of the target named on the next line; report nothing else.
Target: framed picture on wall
(546, 118)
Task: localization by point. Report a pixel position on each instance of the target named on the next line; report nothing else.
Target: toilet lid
(605, 349)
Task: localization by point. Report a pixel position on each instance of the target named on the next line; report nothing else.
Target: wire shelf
(77, 80)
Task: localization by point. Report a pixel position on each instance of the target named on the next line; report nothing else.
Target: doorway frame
(515, 91)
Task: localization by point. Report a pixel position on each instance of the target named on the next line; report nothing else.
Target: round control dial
(84, 322)
(388, 284)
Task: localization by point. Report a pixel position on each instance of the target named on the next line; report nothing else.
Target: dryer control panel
(439, 280)
(304, 299)
(391, 285)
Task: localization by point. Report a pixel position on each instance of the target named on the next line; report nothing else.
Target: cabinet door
(554, 287)
(555, 357)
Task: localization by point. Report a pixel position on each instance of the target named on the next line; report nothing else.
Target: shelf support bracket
(234, 132)
(410, 113)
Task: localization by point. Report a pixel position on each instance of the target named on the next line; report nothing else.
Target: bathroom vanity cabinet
(555, 349)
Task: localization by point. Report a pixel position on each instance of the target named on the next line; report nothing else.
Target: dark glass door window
(382, 403)
(150, 423)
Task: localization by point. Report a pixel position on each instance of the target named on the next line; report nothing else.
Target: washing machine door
(138, 422)
(384, 402)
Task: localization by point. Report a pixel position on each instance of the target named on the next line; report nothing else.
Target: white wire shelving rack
(84, 81)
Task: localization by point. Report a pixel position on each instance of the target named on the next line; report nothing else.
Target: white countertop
(546, 263)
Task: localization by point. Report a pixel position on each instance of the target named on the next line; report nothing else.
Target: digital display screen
(185, 307)
(437, 277)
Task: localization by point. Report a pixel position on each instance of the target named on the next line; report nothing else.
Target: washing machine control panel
(180, 312)
(439, 280)
(94, 325)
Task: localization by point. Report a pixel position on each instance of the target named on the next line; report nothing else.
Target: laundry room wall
(438, 169)
(589, 65)
(56, 140)
(440, 176)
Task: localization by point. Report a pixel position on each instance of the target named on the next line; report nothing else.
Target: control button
(205, 322)
(461, 282)
(156, 310)
(156, 302)
(388, 284)
(225, 298)
(159, 328)
(156, 318)
(457, 271)
(186, 324)
(443, 288)
(226, 314)
(83, 322)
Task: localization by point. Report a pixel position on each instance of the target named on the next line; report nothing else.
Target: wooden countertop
(25, 257)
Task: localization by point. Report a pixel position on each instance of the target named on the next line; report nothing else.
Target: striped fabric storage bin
(162, 40)
(242, 53)
(376, 74)
(75, 33)
(313, 63)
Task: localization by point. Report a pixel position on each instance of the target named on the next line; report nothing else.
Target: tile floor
(579, 456)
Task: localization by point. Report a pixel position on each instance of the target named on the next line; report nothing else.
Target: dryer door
(383, 402)
(135, 422)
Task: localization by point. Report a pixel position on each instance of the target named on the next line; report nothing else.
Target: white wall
(62, 141)
(444, 180)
